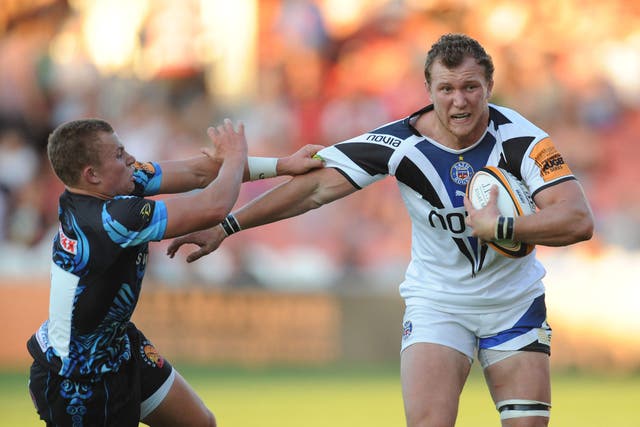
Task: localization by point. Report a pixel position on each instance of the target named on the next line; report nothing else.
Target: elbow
(218, 214)
(583, 227)
(203, 180)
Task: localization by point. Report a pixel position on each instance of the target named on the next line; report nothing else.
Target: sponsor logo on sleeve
(145, 212)
(68, 244)
(145, 167)
(549, 161)
(384, 139)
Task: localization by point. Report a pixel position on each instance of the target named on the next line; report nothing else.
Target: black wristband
(504, 228)
(230, 225)
(500, 228)
(508, 235)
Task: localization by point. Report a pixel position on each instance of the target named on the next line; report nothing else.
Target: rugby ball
(514, 200)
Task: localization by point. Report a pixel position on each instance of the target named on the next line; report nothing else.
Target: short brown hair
(72, 146)
(452, 49)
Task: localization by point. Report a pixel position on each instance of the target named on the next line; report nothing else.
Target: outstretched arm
(294, 197)
(198, 172)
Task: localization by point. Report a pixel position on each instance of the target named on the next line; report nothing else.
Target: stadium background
(319, 290)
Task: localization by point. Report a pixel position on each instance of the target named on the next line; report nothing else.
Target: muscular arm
(198, 172)
(564, 217)
(295, 197)
(188, 174)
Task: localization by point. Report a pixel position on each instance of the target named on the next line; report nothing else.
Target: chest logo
(461, 172)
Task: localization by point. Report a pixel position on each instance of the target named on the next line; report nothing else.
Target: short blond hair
(73, 145)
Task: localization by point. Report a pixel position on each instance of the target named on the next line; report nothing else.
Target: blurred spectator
(318, 81)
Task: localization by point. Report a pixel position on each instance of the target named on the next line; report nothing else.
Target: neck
(86, 192)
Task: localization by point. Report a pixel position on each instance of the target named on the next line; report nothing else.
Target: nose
(130, 159)
(459, 99)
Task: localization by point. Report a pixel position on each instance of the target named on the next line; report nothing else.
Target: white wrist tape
(262, 167)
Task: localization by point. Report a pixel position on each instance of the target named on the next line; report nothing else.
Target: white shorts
(520, 328)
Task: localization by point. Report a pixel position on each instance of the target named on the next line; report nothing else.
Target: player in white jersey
(462, 298)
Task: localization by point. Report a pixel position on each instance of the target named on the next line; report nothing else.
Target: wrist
(504, 228)
(262, 167)
(230, 225)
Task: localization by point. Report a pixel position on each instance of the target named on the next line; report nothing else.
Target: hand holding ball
(513, 200)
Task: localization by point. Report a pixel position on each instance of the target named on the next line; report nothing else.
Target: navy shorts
(114, 400)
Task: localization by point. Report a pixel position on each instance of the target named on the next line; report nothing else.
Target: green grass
(358, 396)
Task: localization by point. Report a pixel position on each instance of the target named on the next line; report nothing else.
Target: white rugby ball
(514, 200)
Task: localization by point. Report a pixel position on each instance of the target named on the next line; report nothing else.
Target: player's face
(461, 100)
(116, 168)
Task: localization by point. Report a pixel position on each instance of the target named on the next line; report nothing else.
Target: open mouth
(461, 116)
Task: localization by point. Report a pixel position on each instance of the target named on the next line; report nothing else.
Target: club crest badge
(150, 355)
(461, 172)
(407, 328)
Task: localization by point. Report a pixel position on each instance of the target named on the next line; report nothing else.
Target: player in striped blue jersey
(462, 298)
(92, 366)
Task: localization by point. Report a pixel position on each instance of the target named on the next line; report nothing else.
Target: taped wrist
(230, 225)
(262, 167)
(504, 228)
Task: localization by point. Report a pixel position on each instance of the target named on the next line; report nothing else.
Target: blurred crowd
(320, 72)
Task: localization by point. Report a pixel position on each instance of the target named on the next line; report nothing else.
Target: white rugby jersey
(449, 268)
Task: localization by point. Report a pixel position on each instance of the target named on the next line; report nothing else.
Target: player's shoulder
(390, 134)
(511, 124)
(397, 128)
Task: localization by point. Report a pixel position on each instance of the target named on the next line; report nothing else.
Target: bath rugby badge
(461, 172)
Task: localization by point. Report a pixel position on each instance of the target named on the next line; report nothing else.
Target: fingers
(493, 193)
(173, 248)
(225, 128)
(175, 245)
(468, 206)
(196, 255)
(312, 149)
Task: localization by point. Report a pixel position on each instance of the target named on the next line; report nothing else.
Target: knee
(526, 422)
(432, 419)
(211, 420)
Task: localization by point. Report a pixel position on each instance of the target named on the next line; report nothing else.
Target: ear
(489, 89)
(90, 175)
(428, 89)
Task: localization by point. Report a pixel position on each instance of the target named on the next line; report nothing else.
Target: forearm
(294, 197)
(188, 174)
(206, 208)
(561, 224)
(286, 200)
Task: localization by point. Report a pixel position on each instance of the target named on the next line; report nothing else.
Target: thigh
(523, 377)
(180, 407)
(432, 376)
(167, 399)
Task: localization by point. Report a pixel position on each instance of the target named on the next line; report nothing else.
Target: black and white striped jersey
(449, 267)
